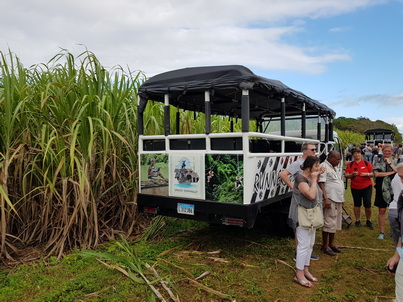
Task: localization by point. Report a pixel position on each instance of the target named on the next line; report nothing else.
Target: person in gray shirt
(307, 149)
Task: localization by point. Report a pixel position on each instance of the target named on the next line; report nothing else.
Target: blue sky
(346, 54)
(370, 82)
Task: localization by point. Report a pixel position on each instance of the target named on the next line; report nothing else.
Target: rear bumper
(205, 210)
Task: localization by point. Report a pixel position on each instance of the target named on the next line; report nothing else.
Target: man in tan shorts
(332, 187)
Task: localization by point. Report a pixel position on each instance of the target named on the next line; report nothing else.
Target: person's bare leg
(308, 275)
(368, 212)
(357, 213)
(331, 239)
(325, 240)
(381, 220)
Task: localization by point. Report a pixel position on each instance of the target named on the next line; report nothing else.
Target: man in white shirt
(332, 187)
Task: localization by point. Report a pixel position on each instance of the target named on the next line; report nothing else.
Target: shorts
(379, 201)
(361, 196)
(332, 217)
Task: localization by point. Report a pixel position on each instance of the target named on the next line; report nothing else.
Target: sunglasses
(312, 149)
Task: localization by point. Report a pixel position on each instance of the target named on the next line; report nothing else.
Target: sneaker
(313, 257)
(358, 223)
(381, 236)
(369, 225)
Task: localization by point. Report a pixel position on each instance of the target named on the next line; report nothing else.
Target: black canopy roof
(186, 88)
(379, 131)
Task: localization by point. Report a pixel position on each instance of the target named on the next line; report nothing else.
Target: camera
(391, 270)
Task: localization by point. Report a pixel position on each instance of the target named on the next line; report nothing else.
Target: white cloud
(340, 29)
(381, 100)
(154, 35)
(398, 121)
(375, 107)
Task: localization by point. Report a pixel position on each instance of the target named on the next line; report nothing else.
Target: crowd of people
(371, 153)
(314, 183)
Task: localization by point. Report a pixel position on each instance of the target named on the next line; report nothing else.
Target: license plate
(187, 209)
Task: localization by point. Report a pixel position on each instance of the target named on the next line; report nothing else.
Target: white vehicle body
(231, 177)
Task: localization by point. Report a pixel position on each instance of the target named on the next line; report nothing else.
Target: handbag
(310, 218)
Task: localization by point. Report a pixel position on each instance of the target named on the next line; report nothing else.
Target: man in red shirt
(360, 173)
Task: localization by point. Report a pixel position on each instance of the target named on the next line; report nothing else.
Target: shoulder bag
(310, 218)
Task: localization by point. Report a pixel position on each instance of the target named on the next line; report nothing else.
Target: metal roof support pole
(259, 127)
(318, 136)
(207, 110)
(245, 110)
(331, 138)
(303, 121)
(326, 129)
(167, 121)
(177, 121)
(140, 118)
(283, 116)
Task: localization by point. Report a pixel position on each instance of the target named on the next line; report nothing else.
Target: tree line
(351, 130)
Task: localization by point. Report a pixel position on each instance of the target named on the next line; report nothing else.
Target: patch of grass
(243, 266)
(253, 288)
(331, 276)
(351, 296)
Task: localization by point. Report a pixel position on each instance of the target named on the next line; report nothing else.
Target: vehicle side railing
(247, 143)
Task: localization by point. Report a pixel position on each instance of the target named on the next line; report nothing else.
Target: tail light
(149, 210)
(233, 221)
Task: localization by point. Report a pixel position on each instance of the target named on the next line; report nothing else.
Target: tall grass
(68, 151)
(68, 143)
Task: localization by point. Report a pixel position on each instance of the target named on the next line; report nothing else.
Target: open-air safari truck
(374, 137)
(220, 175)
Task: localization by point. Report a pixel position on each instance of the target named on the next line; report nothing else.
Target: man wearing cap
(360, 173)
